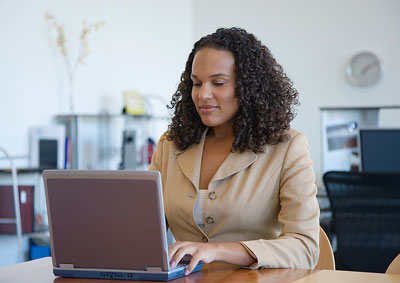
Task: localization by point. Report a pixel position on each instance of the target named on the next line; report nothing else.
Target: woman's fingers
(173, 249)
(193, 263)
(180, 253)
(205, 252)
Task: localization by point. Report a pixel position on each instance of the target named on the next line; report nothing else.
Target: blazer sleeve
(156, 159)
(297, 245)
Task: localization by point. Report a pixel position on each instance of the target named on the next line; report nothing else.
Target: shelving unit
(96, 140)
(36, 202)
(17, 218)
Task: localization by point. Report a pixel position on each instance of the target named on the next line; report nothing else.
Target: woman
(238, 182)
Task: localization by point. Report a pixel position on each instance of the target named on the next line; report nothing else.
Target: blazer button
(210, 220)
(212, 195)
(205, 239)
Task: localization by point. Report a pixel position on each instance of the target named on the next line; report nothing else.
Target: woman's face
(213, 91)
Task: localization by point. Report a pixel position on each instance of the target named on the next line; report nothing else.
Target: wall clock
(364, 69)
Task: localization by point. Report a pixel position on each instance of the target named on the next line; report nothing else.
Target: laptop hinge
(154, 269)
(66, 266)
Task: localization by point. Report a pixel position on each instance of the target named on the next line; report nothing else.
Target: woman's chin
(209, 122)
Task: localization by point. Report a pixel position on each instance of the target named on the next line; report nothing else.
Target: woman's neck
(221, 133)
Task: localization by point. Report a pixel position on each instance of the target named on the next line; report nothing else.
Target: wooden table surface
(340, 276)
(41, 270)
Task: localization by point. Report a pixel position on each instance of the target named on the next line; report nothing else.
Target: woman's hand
(204, 252)
(233, 253)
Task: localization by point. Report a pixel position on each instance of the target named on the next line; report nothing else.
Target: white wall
(313, 40)
(143, 46)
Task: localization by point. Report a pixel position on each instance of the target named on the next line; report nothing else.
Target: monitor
(380, 150)
(48, 153)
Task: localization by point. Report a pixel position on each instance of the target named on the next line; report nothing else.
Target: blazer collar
(234, 162)
(189, 161)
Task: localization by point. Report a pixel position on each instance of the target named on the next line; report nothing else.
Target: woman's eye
(196, 84)
(219, 83)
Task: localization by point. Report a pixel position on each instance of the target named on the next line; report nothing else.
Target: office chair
(326, 259)
(365, 217)
(394, 267)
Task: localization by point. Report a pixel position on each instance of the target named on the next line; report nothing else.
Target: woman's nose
(205, 92)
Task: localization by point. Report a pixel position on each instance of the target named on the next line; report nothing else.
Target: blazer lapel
(190, 161)
(234, 163)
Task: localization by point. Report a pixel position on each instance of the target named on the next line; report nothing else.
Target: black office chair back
(366, 218)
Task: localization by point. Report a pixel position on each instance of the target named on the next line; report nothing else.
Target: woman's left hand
(205, 252)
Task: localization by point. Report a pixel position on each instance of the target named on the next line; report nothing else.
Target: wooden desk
(339, 276)
(40, 271)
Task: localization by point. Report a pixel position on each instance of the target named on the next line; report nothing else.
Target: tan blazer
(267, 201)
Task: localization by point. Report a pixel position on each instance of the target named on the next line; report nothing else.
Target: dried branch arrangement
(83, 48)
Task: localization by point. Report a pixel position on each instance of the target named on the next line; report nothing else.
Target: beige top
(267, 201)
(199, 208)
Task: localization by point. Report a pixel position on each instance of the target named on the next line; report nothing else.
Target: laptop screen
(106, 219)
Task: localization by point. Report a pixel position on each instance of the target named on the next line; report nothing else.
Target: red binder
(7, 208)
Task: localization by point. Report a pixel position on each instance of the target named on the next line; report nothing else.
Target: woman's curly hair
(266, 96)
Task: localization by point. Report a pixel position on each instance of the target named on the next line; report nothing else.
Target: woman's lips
(207, 108)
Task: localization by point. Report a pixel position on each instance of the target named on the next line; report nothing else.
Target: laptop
(108, 224)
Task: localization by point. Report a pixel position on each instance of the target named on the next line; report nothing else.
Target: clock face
(364, 69)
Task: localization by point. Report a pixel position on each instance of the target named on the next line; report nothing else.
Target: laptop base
(124, 274)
